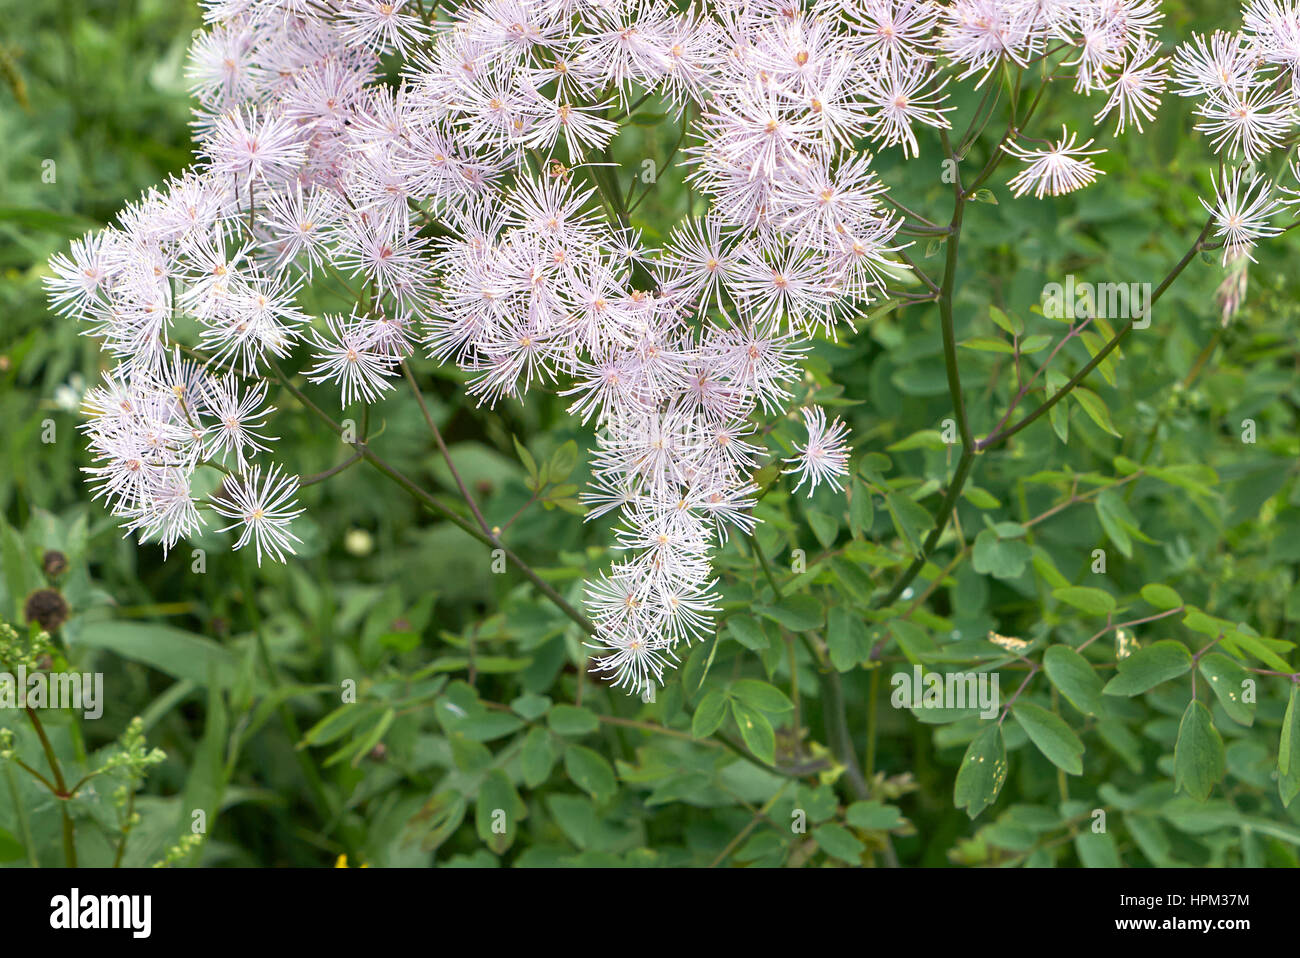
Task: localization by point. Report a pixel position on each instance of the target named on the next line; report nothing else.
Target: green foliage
(1126, 566)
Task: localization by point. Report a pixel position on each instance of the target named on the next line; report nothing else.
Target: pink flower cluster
(465, 204)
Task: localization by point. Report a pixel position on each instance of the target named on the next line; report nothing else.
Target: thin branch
(442, 448)
(334, 471)
(435, 505)
(1101, 354)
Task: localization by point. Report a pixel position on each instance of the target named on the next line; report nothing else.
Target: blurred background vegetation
(93, 109)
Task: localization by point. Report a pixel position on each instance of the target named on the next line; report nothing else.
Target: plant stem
(946, 508)
(869, 766)
(946, 290)
(767, 569)
(442, 448)
(967, 459)
(435, 505)
(126, 830)
(332, 471)
(837, 729)
(1102, 353)
(69, 827)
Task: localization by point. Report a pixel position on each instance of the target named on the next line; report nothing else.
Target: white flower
(1248, 121)
(262, 508)
(350, 356)
(239, 417)
(1242, 212)
(253, 145)
(1135, 92)
(825, 457)
(899, 97)
(1061, 168)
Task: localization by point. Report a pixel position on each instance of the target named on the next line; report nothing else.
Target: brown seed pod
(47, 608)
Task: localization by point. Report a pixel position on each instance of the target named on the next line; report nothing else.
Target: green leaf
(846, 638)
(873, 467)
(179, 654)
(498, 811)
(838, 842)
(853, 577)
(1288, 750)
(819, 802)
(697, 663)
(798, 613)
(1002, 558)
(11, 849)
(1008, 324)
(537, 758)
(761, 696)
(209, 771)
(572, 720)
(1047, 570)
(1161, 596)
(748, 632)
(440, 816)
(1198, 756)
(915, 641)
(713, 651)
(374, 735)
(873, 815)
(1148, 667)
(21, 575)
(527, 459)
(980, 498)
(824, 526)
(477, 465)
(469, 756)
(530, 706)
(1051, 735)
(923, 439)
(1109, 513)
(336, 724)
(709, 714)
(590, 772)
(1096, 409)
(982, 772)
(987, 345)
(38, 218)
(1094, 344)
(756, 730)
(1089, 600)
(861, 511)
(1074, 678)
(1233, 636)
(911, 520)
(1122, 742)
(1096, 850)
(1227, 677)
(562, 462)
(1057, 414)
(487, 726)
